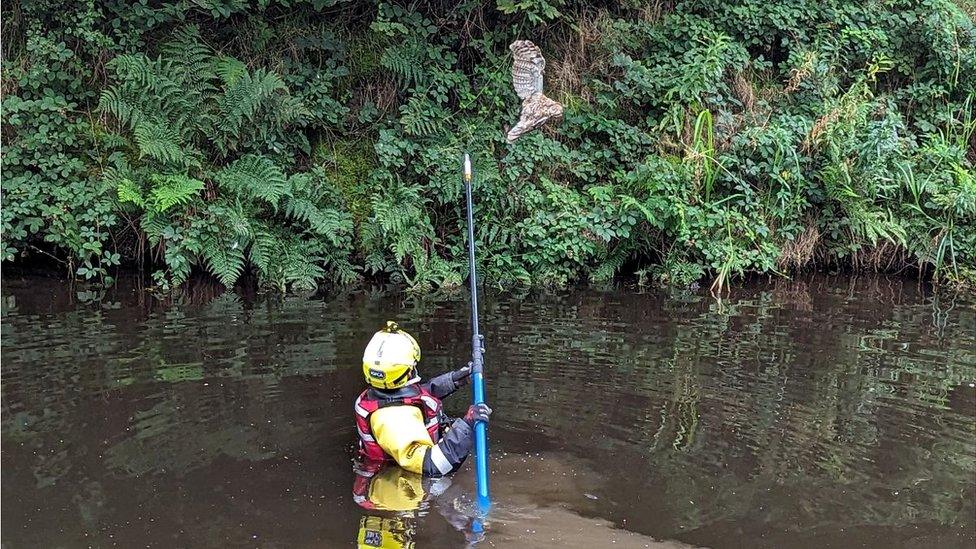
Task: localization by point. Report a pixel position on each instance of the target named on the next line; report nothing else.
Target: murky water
(831, 412)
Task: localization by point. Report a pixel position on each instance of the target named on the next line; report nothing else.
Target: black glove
(461, 376)
(477, 412)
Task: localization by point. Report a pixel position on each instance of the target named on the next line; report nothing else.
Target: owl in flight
(537, 109)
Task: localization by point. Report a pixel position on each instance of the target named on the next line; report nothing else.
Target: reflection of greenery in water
(796, 408)
(845, 411)
(57, 368)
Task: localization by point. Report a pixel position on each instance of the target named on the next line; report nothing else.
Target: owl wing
(527, 68)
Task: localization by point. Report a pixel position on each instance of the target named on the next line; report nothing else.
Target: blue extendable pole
(477, 358)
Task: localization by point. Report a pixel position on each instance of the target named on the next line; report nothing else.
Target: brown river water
(823, 412)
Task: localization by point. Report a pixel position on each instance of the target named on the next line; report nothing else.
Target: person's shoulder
(357, 404)
(398, 412)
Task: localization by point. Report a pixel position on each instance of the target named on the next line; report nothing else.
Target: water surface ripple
(830, 411)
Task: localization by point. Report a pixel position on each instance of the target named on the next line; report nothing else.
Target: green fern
(155, 225)
(304, 273)
(189, 97)
(146, 88)
(343, 272)
(157, 141)
(112, 140)
(329, 223)
(115, 102)
(136, 70)
(242, 99)
(287, 261)
(120, 177)
(187, 55)
(264, 249)
(398, 225)
(229, 69)
(420, 116)
(255, 176)
(407, 61)
(225, 260)
(178, 264)
(173, 190)
(129, 192)
(610, 265)
(234, 217)
(399, 209)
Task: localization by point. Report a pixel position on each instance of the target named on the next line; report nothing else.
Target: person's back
(400, 418)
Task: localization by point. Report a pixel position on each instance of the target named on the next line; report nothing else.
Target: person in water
(400, 418)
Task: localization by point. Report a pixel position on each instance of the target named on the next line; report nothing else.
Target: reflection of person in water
(388, 533)
(400, 418)
(394, 498)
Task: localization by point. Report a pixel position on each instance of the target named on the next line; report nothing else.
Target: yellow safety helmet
(391, 357)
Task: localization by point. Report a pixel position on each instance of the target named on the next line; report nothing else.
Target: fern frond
(420, 117)
(255, 176)
(172, 190)
(114, 102)
(112, 141)
(187, 55)
(154, 224)
(173, 98)
(289, 110)
(136, 70)
(399, 209)
(264, 249)
(232, 217)
(303, 273)
(343, 271)
(407, 61)
(178, 262)
(229, 69)
(129, 192)
(120, 176)
(160, 142)
(189, 68)
(225, 260)
(242, 99)
(284, 261)
(332, 224)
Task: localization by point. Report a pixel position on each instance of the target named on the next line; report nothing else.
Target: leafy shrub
(319, 141)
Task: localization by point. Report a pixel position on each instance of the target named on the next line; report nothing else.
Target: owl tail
(536, 111)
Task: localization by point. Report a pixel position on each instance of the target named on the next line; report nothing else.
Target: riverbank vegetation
(318, 141)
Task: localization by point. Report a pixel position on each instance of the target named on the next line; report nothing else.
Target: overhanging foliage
(315, 141)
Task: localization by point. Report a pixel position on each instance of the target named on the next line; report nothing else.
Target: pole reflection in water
(829, 412)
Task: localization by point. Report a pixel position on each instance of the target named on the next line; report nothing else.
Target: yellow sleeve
(400, 431)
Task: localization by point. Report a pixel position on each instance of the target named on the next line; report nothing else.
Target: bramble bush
(318, 141)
